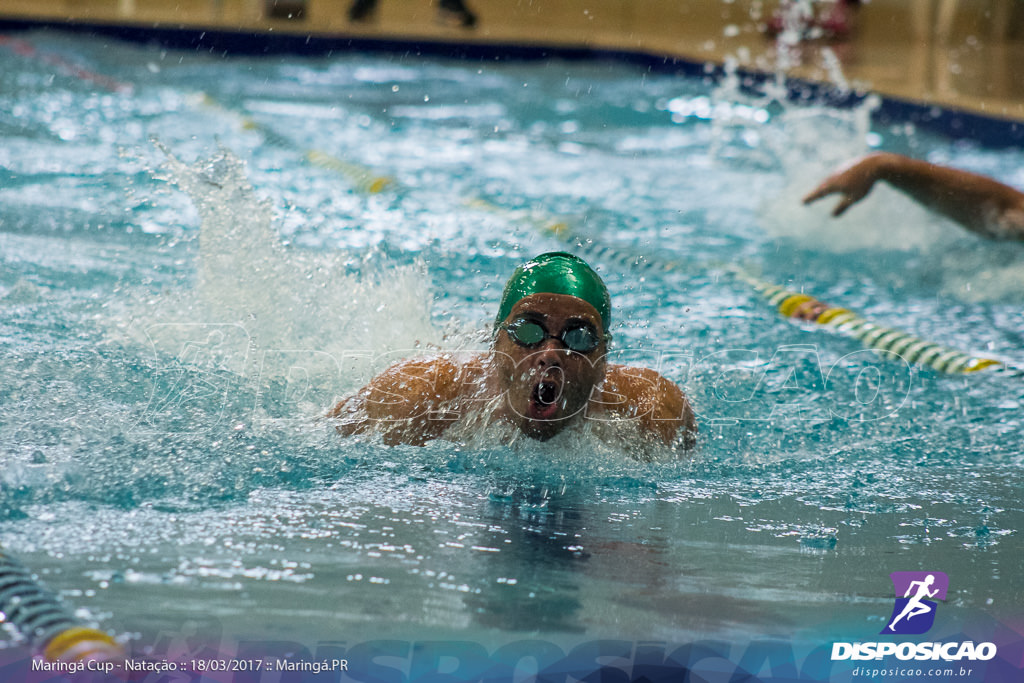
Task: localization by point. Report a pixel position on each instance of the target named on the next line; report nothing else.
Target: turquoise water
(184, 295)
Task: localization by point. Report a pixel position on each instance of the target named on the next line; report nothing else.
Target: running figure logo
(914, 613)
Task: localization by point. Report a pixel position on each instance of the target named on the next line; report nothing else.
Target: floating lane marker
(913, 349)
(45, 622)
(562, 231)
(789, 303)
(362, 178)
(68, 68)
(544, 225)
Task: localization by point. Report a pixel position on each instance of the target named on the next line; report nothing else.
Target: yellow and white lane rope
(544, 225)
(362, 178)
(43, 620)
(802, 306)
(789, 303)
(562, 231)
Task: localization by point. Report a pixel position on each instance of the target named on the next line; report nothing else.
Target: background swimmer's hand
(979, 203)
(853, 181)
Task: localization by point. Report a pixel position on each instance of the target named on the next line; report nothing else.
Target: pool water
(184, 293)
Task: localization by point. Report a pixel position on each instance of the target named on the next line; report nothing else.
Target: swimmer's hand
(978, 203)
(853, 181)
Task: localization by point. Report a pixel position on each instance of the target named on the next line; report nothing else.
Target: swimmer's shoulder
(655, 400)
(408, 398)
(443, 376)
(639, 384)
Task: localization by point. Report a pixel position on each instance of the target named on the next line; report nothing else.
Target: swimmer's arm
(976, 202)
(659, 405)
(408, 402)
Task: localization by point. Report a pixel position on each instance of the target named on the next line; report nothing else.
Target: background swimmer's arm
(407, 402)
(976, 202)
(660, 405)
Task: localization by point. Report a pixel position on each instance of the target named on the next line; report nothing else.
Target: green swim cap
(557, 272)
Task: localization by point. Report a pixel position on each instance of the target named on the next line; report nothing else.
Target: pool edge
(958, 123)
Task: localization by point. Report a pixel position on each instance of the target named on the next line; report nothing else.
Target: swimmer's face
(547, 385)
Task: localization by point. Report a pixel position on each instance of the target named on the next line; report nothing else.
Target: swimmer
(978, 203)
(546, 371)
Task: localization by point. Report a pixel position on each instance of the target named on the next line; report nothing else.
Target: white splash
(259, 306)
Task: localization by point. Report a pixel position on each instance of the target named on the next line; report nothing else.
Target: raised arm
(976, 202)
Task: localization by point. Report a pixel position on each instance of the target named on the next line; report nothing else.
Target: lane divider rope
(69, 68)
(790, 304)
(45, 622)
(362, 178)
(913, 349)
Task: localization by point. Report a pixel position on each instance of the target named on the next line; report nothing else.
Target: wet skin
(541, 389)
(547, 386)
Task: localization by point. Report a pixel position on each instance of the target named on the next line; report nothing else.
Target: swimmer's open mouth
(544, 399)
(545, 393)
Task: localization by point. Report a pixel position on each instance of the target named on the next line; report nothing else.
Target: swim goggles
(579, 337)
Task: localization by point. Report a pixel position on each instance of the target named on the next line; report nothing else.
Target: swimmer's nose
(550, 354)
